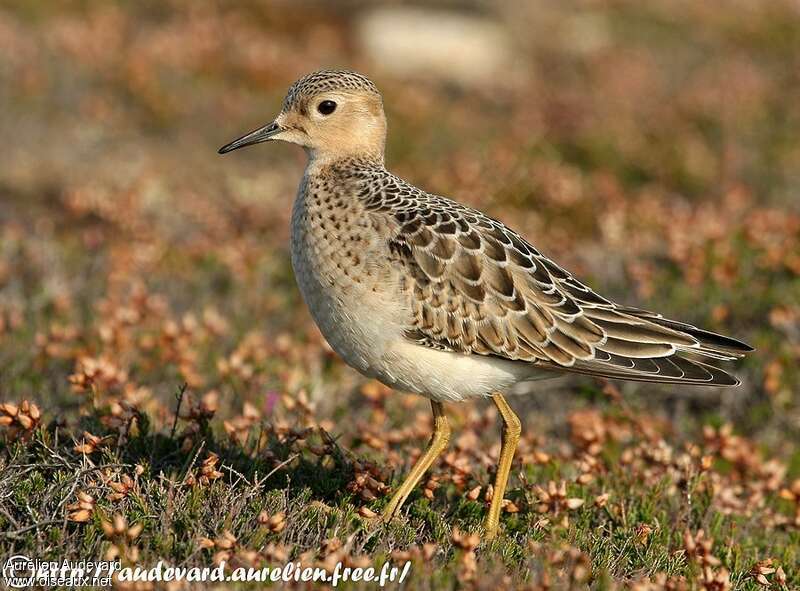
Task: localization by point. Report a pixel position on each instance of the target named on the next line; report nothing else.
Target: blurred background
(651, 148)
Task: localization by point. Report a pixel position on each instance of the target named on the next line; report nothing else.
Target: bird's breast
(344, 276)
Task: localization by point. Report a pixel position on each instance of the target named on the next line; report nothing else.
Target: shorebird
(433, 297)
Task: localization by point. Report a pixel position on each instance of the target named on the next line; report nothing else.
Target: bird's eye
(326, 107)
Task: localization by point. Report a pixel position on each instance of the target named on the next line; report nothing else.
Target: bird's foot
(490, 530)
(389, 514)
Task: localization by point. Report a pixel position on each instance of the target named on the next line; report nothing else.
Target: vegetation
(167, 397)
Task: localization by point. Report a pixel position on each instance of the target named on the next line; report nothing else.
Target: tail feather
(678, 352)
(668, 370)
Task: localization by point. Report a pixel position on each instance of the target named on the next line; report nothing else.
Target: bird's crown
(326, 81)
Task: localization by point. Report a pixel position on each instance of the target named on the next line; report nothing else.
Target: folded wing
(477, 287)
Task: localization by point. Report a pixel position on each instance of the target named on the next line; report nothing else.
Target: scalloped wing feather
(477, 287)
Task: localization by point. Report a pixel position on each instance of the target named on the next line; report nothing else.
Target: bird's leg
(511, 431)
(439, 440)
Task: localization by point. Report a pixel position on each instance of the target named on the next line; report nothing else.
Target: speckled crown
(325, 80)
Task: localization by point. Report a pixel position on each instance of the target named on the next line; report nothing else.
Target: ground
(166, 395)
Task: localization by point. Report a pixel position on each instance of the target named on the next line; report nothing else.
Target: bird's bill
(262, 134)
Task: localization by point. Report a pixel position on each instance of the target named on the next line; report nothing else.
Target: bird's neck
(321, 162)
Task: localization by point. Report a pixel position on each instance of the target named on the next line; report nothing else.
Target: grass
(623, 515)
(181, 406)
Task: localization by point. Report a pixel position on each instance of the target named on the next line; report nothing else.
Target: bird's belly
(450, 376)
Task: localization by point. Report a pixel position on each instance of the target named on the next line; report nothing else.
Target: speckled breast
(343, 274)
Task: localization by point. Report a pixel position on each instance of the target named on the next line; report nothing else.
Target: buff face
(332, 114)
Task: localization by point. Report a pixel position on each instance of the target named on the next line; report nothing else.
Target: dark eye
(326, 107)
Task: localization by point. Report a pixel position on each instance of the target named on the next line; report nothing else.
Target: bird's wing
(477, 287)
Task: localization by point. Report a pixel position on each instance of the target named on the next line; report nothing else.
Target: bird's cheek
(295, 136)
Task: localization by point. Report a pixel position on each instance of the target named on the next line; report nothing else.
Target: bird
(436, 298)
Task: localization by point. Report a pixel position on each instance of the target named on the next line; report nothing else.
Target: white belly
(447, 376)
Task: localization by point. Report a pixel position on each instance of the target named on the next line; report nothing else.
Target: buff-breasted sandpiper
(433, 297)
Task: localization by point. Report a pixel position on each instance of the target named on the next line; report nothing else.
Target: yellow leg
(439, 440)
(511, 431)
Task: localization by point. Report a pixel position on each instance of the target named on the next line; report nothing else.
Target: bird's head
(331, 113)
